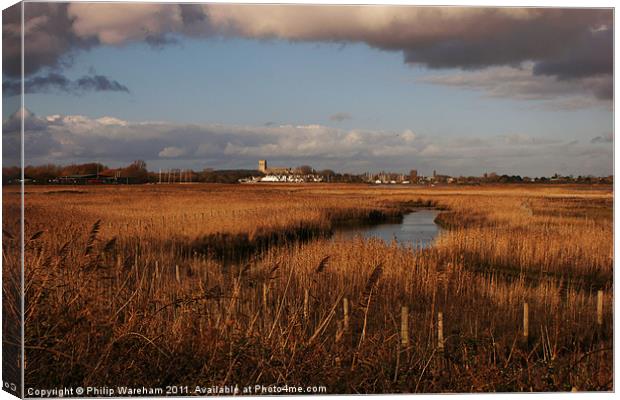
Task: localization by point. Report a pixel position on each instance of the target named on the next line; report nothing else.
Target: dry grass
(156, 294)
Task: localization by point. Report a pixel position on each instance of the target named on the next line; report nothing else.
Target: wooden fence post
(440, 331)
(404, 326)
(339, 331)
(265, 309)
(599, 308)
(345, 309)
(306, 311)
(526, 321)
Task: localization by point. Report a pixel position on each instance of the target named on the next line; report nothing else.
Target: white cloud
(408, 136)
(120, 23)
(172, 152)
(111, 121)
(75, 138)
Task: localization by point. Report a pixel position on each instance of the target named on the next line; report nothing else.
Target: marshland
(204, 284)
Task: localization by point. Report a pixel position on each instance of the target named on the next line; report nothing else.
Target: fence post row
(404, 318)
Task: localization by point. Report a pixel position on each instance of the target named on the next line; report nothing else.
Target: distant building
(413, 175)
(262, 166)
(442, 179)
(284, 174)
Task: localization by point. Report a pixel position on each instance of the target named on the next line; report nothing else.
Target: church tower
(262, 166)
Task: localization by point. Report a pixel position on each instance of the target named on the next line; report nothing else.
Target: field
(160, 285)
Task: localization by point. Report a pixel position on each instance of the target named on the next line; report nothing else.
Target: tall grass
(132, 300)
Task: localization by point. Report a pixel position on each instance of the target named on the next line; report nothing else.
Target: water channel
(417, 229)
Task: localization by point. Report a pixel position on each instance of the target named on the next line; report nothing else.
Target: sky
(459, 90)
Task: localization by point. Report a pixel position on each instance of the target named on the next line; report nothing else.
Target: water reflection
(417, 229)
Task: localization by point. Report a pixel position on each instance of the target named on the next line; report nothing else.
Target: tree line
(136, 172)
(49, 172)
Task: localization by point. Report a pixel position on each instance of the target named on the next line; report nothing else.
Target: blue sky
(274, 96)
(238, 81)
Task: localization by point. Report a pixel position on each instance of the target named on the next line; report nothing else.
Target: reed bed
(124, 288)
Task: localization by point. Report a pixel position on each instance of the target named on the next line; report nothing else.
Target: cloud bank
(75, 138)
(565, 44)
(55, 82)
(524, 84)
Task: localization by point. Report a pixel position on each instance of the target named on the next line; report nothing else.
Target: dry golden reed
(186, 284)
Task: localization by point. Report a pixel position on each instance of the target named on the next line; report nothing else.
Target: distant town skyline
(352, 88)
